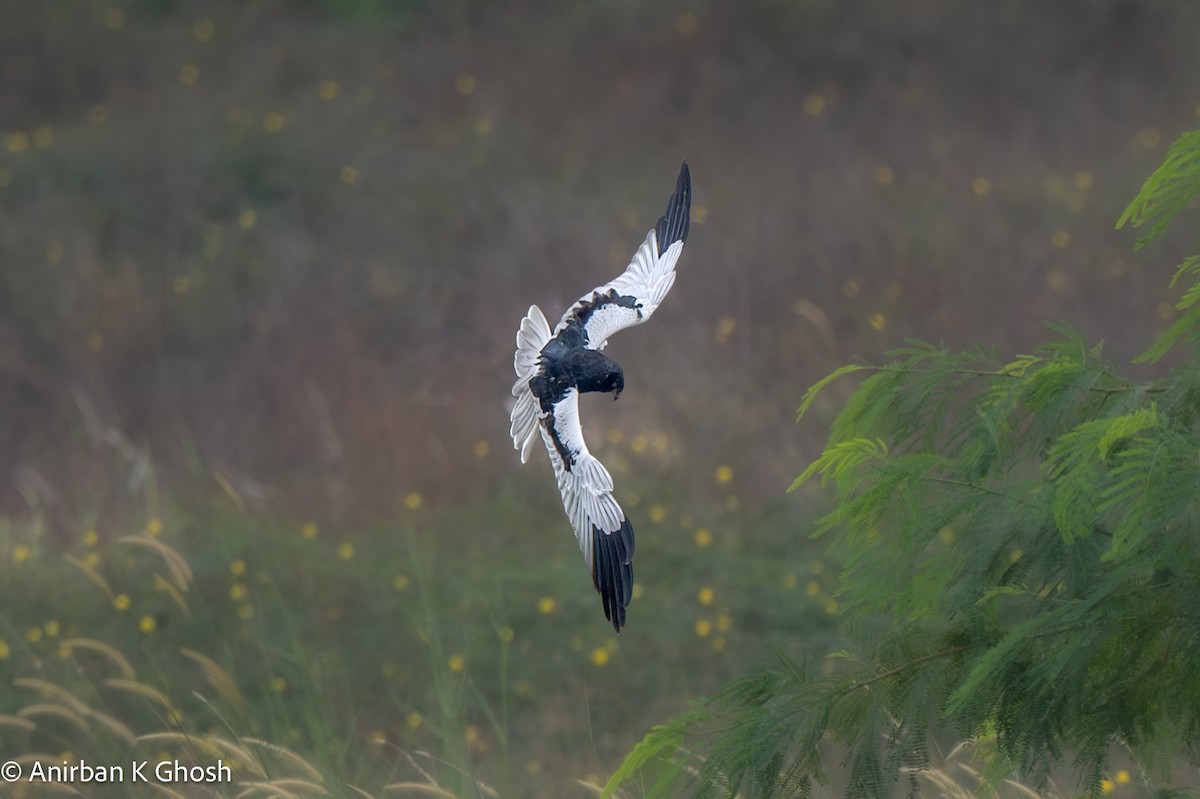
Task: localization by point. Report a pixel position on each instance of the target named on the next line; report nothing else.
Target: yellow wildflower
(327, 89)
(465, 84)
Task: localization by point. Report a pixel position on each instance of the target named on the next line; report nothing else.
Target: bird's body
(554, 368)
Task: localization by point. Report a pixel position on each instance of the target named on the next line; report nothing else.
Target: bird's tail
(531, 338)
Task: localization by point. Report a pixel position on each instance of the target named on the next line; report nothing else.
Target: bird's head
(610, 379)
(594, 372)
(616, 382)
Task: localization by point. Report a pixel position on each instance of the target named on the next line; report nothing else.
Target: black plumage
(553, 369)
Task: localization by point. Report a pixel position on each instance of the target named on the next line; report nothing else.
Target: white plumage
(554, 367)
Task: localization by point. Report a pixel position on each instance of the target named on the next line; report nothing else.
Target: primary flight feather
(554, 368)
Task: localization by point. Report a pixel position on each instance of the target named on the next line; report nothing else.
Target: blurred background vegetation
(261, 266)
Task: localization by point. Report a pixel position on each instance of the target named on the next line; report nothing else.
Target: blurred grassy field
(261, 266)
(424, 638)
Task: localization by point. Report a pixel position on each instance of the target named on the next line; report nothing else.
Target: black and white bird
(554, 368)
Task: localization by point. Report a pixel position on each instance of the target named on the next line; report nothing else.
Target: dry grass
(74, 711)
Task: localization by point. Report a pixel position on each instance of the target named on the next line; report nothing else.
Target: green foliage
(1187, 326)
(1164, 194)
(1168, 190)
(1028, 533)
(662, 738)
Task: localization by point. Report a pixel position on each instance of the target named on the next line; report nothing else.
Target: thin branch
(904, 667)
(965, 484)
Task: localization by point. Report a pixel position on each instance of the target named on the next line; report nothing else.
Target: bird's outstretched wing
(531, 337)
(633, 296)
(605, 535)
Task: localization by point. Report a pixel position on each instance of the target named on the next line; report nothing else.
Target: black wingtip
(674, 224)
(612, 571)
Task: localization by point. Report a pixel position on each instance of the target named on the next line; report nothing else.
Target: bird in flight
(554, 368)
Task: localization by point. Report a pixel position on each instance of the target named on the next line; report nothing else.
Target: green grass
(459, 646)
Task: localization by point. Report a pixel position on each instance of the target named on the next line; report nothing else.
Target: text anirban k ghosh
(82, 772)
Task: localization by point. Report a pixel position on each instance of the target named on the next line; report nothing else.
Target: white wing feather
(587, 488)
(531, 337)
(647, 279)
